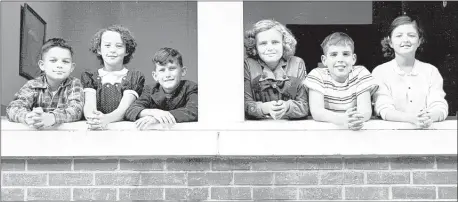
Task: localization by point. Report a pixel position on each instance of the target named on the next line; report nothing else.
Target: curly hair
(337, 38)
(127, 39)
(388, 52)
(289, 42)
(54, 42)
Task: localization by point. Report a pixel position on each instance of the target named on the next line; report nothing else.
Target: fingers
(425, 123)
(37, 110)
(139, 123)
(38, 125)
(278, 114)
(93, 121)
(278, 107)
(421, 113)
(356, 127)
(350, 110)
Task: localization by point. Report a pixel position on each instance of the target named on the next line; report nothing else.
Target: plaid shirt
(66, 104)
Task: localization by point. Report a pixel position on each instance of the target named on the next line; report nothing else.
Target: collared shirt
(66, 104)
(338, 96)
(283, 83)
(182, 103)
(421, 89)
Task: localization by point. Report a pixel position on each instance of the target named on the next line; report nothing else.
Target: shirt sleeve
(365, 82)
(299, 107)
(382, 96)
(136, 84)
(314, 81)
(436, 95)
(22, 104)
(143, 102)
(75, 102)
(87, 80)
(189, 112)
(252, 107)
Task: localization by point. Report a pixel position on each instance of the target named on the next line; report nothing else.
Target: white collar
(121, 72)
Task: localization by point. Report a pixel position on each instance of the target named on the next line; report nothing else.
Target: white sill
(247, 138)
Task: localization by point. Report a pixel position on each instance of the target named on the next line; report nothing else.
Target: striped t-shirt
(341, 96)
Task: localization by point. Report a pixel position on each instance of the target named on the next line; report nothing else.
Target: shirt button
(411, 101)
(409, 87)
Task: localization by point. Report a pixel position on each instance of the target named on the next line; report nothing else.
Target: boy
(171, 100)
(340, 93)
(54, 97)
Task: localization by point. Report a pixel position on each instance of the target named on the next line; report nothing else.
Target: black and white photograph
(339, 100)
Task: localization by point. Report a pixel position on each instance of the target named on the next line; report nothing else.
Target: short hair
(337, 38)
(126, 36)
(388, 52)
(289, 42)
(54, 42)
(167, 55)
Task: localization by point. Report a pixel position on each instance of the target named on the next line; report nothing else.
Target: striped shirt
(66, 103)
(420, 89)
(341, 96)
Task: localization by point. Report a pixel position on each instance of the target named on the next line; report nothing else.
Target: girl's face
(405, 40)
(269, 45)
(112, 48)
(339, 60)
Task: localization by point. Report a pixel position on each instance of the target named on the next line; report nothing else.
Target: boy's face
(405, 39)
(112, 48)
(169, 75)
(339, 59)
(57, 63)
(269, 44)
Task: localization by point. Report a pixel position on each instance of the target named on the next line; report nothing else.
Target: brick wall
(231, 178)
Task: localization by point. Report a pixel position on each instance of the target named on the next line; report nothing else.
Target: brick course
(378, 178)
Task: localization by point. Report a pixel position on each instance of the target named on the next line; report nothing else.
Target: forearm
(326, 115)
(189, 113)
(16, 114)
(297, 109)
(70, 114)
(366, 115)
(116, 115)
(119, 113)
(439, 109)
(254, 110)
(146, 112)
(398, 116)
(90, 104)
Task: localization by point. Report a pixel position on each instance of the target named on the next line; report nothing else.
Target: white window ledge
(247, 138)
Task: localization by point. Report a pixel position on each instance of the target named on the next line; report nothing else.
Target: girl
(110, 90)
(410, 90)
(340, 93)
(273, 76)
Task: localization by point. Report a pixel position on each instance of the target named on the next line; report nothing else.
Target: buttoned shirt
(421, 89)
(66, 103)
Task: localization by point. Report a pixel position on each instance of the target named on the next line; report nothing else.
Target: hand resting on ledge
(264, 125)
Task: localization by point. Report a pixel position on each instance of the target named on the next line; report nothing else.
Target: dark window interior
(441, 48)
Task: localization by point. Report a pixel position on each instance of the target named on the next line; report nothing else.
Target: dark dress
(109, 96)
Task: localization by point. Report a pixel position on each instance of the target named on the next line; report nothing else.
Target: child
(341, 92)
(273, 75)
(410, 90)
(54, 97)
(110, 90)
(171, 100)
